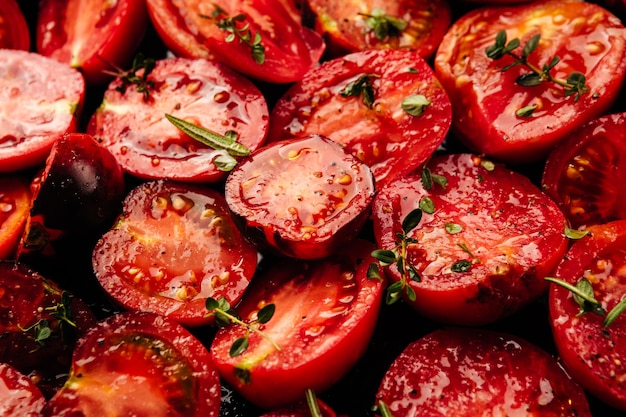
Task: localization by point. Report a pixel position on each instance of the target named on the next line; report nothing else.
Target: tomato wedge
(14, 206)
(584, 173)
(40, 100)
(133, 126)
(483, 247)
(14, 33)
(19, 397)
(174, 246)
(91, 35)
(476, 372)
(592, 352)
(325, 312)
(519, 120)
(138, 364)
(334, 100)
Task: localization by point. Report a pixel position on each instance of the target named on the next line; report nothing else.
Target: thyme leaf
(237, 28)
(383, 25)
(362, 87)
(415, 105)
(141, 82)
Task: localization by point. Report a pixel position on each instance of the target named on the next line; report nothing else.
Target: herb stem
(249, 327)
(574, 289)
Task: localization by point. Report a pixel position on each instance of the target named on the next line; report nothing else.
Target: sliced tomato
(138, 364)
(174, 246)
(375, 24)
(475, 372)
(486, 247)
(303, 198)
(91, 35)
(40, 100)
(19, 396)
(14, 205)
(325, 313)
(14, 33)
(594, 354)
(493, 113)
(584, 173)
(381, 134)
(133, 126)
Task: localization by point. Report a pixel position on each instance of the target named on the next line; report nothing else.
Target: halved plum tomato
(585, 172)
(138, 364)
(475, 372)
(133, 126)
(505, 110)
(174, 246)
(93, 36)
(39, 325)
(375, 24)
(14, 33)
(19, 396)
(324, 317)
(483, 246)
(302, 198)
(592, 352)
(384, 106)
(40, 100)
(259, 38)
(14, 205)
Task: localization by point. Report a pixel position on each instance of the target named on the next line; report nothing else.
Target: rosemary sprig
(383, 25)
(237, 28)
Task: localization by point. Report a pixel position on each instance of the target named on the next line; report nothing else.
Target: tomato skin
(386, 138)
(19, 397)
(15, 202)
(303, 198)
(584, 173)
(586, 37)
(511, 233)
(173, 246)
(475, 372)
(138, 356)
(325, 315)
(14, 33)
(40, 101)
(91, 35)
(200, 91)
(594, 355)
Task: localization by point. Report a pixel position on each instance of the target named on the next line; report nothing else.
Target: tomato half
(594, 354)
(19, 397)
(484, 250)
(40, 100)
(584, 173)
(475, 372)
(14, 205)
(382, 134)
(206, 93)
(303, 198)
(93, 36)
(14, 33)
(174, 246)
(358, 25)
(493, 114)
(325, 313)
(138, 364)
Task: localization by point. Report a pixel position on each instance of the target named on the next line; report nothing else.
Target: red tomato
(40, 100)
(584, 173)
(484, 251)
(138, 364)
(301, 409)
(14, 32)
(387, 138)
(200, 91)
(19, 397)
(303, 198)
(93, 36)
(486, 99)
(359, 25)
(475, 372)
(174, 246)
(325, 313)
(593, 354)
(14, 206)
(290, 48)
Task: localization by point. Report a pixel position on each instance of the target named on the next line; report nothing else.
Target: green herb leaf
(383, 25)
(461, 266)
(426, 205)
(373, 272)
(236, 28)
(453, 228)
(411, 220)
(583, 295)
(526, 111)
(384, 255)
(128, 78)
(415, 104)
(615, 312)
(266, 313)
(224, 162)
(363, 87)
(238, 347)
(487, 164)
(575, 234)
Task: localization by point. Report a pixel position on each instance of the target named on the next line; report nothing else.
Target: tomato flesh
(14, 205)
(19, 397)
(14, 32)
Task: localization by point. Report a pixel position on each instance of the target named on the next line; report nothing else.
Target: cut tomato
(14, 32)
(19, 396)
(14, 205)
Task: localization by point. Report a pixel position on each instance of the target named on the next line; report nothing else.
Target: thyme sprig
(141, 82)
(383, 25)
(237, 28)
(61, 312)
(575, 84)
(362, 87)
(224, 315)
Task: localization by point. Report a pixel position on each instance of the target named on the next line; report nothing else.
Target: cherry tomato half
(14, 205)
(19, 396)
(14, 33)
